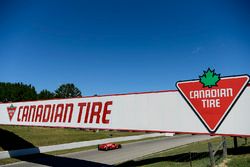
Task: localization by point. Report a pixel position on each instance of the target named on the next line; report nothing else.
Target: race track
(109, 158)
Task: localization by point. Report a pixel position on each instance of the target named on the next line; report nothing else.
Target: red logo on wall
(11, 111)
(212, 97)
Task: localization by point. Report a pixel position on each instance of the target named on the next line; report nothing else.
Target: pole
(211, 154)
(190, 159)
(224, 147)
(235, 143)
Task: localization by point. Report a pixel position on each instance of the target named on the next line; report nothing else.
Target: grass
(18, 137)
(195, 155)
(239, 161)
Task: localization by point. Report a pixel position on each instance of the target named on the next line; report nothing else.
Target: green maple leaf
(209, 78)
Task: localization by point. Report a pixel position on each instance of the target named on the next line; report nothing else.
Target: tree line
(13, 92)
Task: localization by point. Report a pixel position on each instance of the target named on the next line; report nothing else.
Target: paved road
(102, 158)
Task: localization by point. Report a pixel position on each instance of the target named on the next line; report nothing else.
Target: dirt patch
(224, 163)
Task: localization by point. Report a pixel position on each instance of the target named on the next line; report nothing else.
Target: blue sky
(111, 46)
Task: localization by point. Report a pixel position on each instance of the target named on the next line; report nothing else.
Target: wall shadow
(10, 142)
(239, 151)
(56, 161)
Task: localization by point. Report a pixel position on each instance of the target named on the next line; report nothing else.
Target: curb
(44, 149)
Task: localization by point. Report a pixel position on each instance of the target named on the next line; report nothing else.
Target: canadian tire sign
(210, 104)
(212, 97)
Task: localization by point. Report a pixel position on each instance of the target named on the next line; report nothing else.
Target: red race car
(109, 146)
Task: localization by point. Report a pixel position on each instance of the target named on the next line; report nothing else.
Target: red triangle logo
(11, 111)
(212, 104)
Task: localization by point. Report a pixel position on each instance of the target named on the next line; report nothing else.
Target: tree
(67, 91)
(45, 94)
(16, 92)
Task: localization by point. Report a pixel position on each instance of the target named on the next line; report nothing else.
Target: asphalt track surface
(95, 158)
